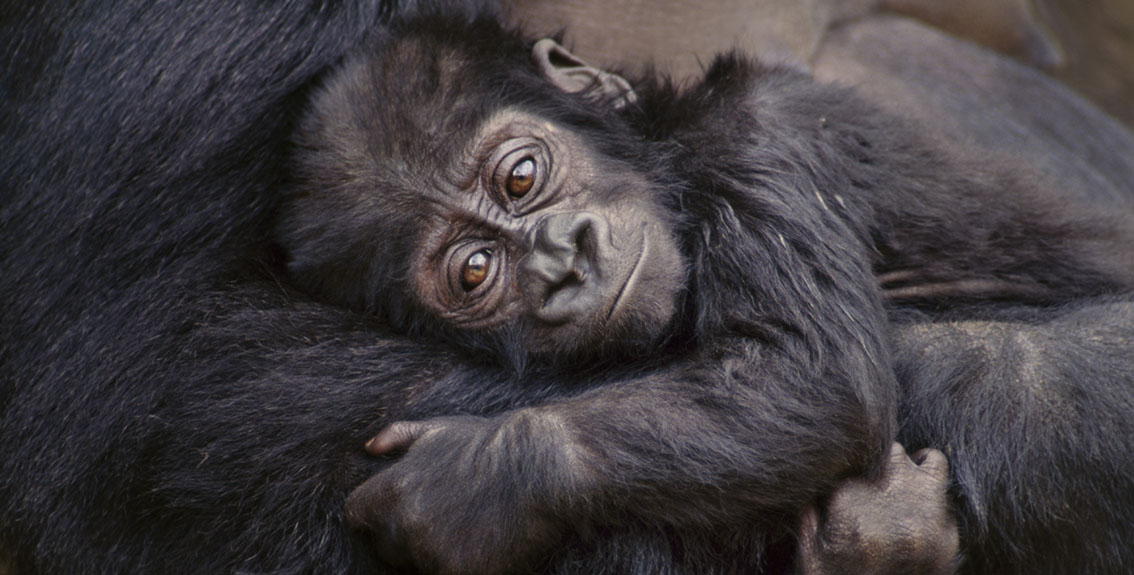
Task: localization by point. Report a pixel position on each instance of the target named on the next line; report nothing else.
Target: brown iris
(476, 270)
(521, 178)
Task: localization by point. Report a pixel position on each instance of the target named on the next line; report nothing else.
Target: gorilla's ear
(571, 74)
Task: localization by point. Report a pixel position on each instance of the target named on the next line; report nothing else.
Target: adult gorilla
(170, 404)
(168, 407)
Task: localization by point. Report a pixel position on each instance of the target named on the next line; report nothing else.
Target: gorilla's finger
(370, 500)
(369, 508)
(932, 461)
(809, 528)
(397, 437)
(897, 453)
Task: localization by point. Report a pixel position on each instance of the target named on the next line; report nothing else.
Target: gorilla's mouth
(631, 279)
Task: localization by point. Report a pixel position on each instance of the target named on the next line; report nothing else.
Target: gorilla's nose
(561, 277)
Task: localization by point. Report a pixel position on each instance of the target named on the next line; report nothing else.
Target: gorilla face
(495, 221)
(541, 231)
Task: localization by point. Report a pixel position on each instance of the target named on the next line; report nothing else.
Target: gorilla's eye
(522, 177)
(475, 270)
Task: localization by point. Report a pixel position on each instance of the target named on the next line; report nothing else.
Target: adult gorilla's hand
(456, 501)
(900, 524)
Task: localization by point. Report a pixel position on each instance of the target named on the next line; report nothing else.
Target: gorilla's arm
(1034, 412)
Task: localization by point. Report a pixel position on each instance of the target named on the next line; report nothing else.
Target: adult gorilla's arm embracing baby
(702, 266)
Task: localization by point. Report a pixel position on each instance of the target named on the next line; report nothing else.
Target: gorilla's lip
(629, 282)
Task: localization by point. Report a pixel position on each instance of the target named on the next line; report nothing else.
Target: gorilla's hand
(457, 501)
(901, 524)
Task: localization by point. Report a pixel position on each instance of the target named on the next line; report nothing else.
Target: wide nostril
(573, 277)
(564, 243)
(565, 252)
(584, 244)
(581, 231)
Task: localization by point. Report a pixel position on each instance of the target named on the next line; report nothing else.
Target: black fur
(172, 405)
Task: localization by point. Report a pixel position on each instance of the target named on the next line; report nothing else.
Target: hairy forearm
(731, 443)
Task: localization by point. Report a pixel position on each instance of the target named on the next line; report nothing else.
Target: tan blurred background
(1088, 44)
(1098, 39)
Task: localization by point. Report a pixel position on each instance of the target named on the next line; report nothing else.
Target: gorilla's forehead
(445, 177)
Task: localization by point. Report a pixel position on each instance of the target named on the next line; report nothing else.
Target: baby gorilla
(695, 272)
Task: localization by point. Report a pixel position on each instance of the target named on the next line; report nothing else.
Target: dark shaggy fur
(171, 404)
(1028, 385)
